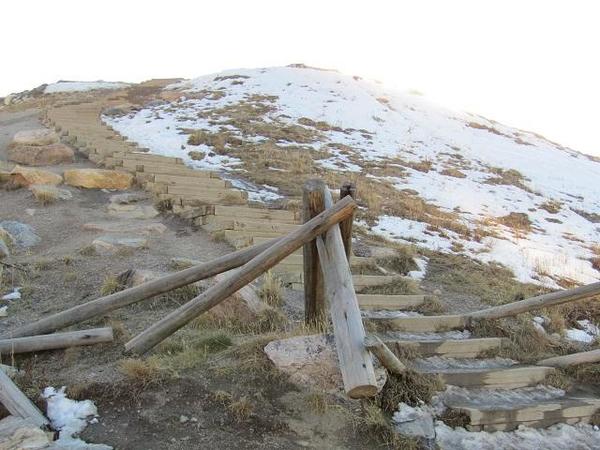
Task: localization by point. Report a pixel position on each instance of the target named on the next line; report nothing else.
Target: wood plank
(451, 348)
(55, 341)
(422, 324)
(17, 403)
(506, 378)
(238, 212)
(389, 302)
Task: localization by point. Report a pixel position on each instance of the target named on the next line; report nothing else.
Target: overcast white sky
(531, 64)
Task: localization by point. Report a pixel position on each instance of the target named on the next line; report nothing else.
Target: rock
(40, 136)
(8, 100)
(415, 421)
(19, 433)
(112, 244)
(98, 179)
(132, 211)
(135, 277)
(128, 197)
(4, 311)
(4, 250)
(21, 234)
(183, 419)
(145, 228)
(25, 176)
(9, 370)
(311, 361)
(46, 155)
(39, 190)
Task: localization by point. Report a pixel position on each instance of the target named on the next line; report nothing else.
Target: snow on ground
(70, 417)
(556, 187)
(586, 334)
(557, 437)
(81, 86)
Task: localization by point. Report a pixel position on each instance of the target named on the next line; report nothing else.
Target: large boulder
(45, 155)
(40, 136)
(25, 176)
(98, 179)
(312, 361)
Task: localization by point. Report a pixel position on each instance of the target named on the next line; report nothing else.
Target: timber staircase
(200, 196)
(494, 394)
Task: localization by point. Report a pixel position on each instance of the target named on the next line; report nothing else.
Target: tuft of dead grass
(241, 409)
(88, 250)
(271, 290)
(398, 286)
(492, 283)
(142, 373)
(410, 387)
(516, 221)
(45, 195)
(110, 285)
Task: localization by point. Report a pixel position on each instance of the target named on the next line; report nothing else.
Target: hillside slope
(440, 179)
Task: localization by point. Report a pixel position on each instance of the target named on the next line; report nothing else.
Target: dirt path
(61, 273)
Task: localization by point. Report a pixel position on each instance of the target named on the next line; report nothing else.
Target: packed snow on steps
(387, 125)
(421, 421)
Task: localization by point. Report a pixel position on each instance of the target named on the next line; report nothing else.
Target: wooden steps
(540, 414)
(501, 378)
(389, 302)
(422, 324)
(450, 348)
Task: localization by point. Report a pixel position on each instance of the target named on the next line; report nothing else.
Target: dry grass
(182, 353)
(88, 250)
(410, 387)
(523, 342)
(585, 373)
(492, 283)
(271, 290)
(45, 195)
(552, 206)
(373, 422)
(452, 172)
(559, 379)
(241, 409)
(508, 177)
(401, 263)
(317, 402)
(255, 363)
(43, 264)
(142, 373)
(196, 155)
(110, 285)
(516, 221)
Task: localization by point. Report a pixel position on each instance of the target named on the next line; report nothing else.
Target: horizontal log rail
(246, 274)
(573, 359)
(144, 291)
(54, 341)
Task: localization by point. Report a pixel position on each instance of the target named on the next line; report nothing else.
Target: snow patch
(82, 86)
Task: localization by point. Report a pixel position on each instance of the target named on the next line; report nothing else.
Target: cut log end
(364, 391)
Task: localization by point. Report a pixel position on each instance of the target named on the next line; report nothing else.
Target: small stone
(183, 419)
(30, 211)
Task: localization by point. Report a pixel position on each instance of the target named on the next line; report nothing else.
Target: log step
(389, 302)
(450, 348)
(421, 324)
(542, 413)
(243, 212)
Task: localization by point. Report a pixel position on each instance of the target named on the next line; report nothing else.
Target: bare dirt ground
(136, 413)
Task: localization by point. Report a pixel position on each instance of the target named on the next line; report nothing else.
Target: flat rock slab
(112, 244)
(312, 361)
(128, 197)
(39, 136)
(21, 234)
(145, 228)
(132, 211)
(45, 155)
(98, 179)
(20, 433)
(25, 176)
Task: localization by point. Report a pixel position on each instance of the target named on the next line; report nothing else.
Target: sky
(530, 64)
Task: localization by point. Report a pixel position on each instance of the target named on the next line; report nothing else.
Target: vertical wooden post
(348, 188)
(355, 360)
(314, 298)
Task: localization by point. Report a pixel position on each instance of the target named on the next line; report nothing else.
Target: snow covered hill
(448, 181)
